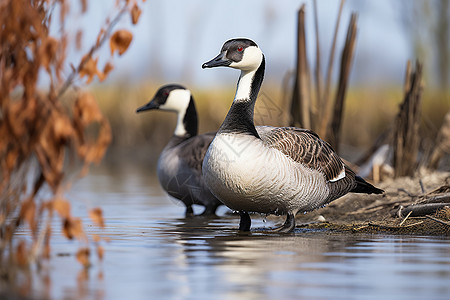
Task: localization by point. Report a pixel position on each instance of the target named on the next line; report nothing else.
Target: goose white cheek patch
(250, 61)
(178, 101)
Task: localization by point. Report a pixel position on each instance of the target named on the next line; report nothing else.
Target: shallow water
(156, 253)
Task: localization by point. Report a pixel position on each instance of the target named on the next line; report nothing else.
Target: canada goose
(180, 163)
(270, 170)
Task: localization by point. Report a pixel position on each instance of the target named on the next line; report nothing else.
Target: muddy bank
(390, 213)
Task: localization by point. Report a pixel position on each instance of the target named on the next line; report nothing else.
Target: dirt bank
(390, 213)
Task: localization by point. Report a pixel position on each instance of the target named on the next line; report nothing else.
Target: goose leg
(210, 210)
(245, 222)
(288, 225)
(189, 211)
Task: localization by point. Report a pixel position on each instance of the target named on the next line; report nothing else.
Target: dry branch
(37, 131)
(318, 74)
(406, 131)
(327, 103)
(420, 210)
(301, 102)
(324, 115)
(346, 62)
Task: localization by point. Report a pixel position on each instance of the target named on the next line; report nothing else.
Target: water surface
(155, 253)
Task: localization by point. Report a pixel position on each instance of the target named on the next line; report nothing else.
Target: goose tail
(363, 186)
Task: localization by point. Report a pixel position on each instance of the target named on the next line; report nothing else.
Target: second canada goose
(270, 170)
(180, 163)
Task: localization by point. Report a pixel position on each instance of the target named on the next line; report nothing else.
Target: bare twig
(346, 62)
(403, 221)
(328, 104)
(406, 131)
(421, 186)
(437, 220)
(301, 103)
(394, 227)
(318, 73)
(406, 192)
(91, 52)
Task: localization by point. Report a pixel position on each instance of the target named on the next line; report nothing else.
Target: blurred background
(173, 38)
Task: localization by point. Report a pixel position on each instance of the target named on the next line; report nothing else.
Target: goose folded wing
(193, 150)
(305, 147)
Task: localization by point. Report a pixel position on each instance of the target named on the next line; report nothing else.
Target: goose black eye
(165, 93)
(240, 49)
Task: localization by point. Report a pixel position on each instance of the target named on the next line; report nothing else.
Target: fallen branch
(437, 199)
(420, 209)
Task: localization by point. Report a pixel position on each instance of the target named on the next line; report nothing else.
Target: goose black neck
(190, 120)
(240, 116)
(257, 80)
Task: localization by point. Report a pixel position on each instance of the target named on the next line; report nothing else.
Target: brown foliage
(96, 215)
(83, 256)
(37, 131)
(120, 41)
(135, 13)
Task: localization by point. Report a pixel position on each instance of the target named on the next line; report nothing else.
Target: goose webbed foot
(288, 226)
(189, 211)
(245, 222)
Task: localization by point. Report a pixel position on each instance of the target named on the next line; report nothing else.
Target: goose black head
(171, 97)
(240, 53)
(176, 98)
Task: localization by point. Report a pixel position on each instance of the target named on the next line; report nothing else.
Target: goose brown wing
(305, 147)
(193, 150)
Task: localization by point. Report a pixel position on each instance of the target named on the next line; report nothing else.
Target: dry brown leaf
(47, 249)
(87, 111)
(67, 229)
(89, 68)
(96, 151)
(120, 41)
(96, 238)
(50, 148)
(62, 128)
(83, 6)
(100, 252)
(108, 68)
(73, 227)
(96, 215)
(11, 158)
(62, 207)
(21, 254)
(28, 213)
(83, 256)
(77, 229)
(48, 50)
(135, 13)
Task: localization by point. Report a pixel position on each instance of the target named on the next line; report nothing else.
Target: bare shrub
(42, 129)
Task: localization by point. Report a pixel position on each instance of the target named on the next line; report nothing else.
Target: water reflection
(155, 253)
